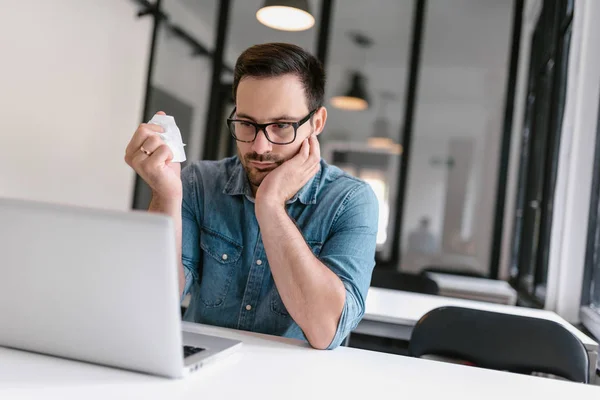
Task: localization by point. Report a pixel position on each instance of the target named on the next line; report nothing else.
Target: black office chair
(501, 341)
(458, 271)
(403, 281)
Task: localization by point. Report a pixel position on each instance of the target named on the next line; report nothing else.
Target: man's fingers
(149, 167)
(313, 170)
(316, 169)
(308, 174)
(143, 132)
(315, 150)
(136, 141)
(160, 156)
(304, 150)
(135, 161)
(152, 143)
(154, 127)
(161, 113)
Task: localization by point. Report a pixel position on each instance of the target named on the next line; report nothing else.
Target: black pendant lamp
(355, 97)
(286, 15)
(382, 137)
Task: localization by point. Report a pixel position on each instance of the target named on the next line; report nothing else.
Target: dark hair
(276, 59)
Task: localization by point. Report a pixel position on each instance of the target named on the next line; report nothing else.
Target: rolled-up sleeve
(349, 252)
(190, 235)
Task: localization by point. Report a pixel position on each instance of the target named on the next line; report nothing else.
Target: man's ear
(319, 120)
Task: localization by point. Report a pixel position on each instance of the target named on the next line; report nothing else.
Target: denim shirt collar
(238, 185)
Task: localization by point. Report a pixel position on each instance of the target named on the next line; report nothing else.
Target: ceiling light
(382, 137)
(286, 15)
(356, 97)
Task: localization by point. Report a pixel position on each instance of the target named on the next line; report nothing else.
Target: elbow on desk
(321, 334)
(320, 342)
(320, 328)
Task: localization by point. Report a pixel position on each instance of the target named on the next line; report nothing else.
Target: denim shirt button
(224, 257)
(248, 307)
(258, 262)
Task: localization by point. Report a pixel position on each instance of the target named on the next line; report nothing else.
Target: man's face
(264, 100)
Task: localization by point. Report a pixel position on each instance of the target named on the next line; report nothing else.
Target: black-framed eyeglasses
(281, 132)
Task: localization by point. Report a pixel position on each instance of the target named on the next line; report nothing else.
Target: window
(377, 167)
(539, 151)
(376, 179)
(590, 297)
(365, 143)
(427, 71)
(450, 191)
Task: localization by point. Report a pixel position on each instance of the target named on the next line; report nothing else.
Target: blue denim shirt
(226, 268)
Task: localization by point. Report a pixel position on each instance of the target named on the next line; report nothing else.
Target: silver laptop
(96, 286)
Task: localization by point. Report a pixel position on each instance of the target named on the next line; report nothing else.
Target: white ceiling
(464, 59)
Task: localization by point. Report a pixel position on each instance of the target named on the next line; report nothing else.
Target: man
(273, 240)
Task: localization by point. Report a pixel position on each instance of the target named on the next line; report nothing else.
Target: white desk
(394, 313)
(472, 288)
(273, 368)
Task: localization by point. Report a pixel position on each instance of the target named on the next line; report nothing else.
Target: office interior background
(476, 123)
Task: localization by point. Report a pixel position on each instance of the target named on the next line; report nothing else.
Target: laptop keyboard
(190, 351)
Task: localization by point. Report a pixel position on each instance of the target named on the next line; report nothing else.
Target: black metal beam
(503, 163)
(150, 9)
(198, 49)
(324, 31)
(407, 130)
(559, 67)
(211, 132)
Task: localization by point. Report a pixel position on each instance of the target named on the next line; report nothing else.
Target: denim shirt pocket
(277, 305)
(220, 259)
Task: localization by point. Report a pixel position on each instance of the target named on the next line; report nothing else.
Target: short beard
(256, 177)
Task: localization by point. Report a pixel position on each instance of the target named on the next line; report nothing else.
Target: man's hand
(286, 180)
(151, 158)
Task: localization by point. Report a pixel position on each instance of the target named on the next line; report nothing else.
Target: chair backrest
(402, 281)
(501, 341)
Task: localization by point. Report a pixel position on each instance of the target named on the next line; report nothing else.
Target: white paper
(171, 136)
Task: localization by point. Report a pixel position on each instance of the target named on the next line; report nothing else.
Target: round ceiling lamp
(286, 15)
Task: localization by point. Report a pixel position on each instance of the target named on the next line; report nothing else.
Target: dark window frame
(542, 127)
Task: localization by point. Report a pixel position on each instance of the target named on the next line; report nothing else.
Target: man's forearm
(313, 295)
(172, 208)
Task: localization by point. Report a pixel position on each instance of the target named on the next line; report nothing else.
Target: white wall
(487, 162)
(426, 186)
(575, 168)
(73, 81)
